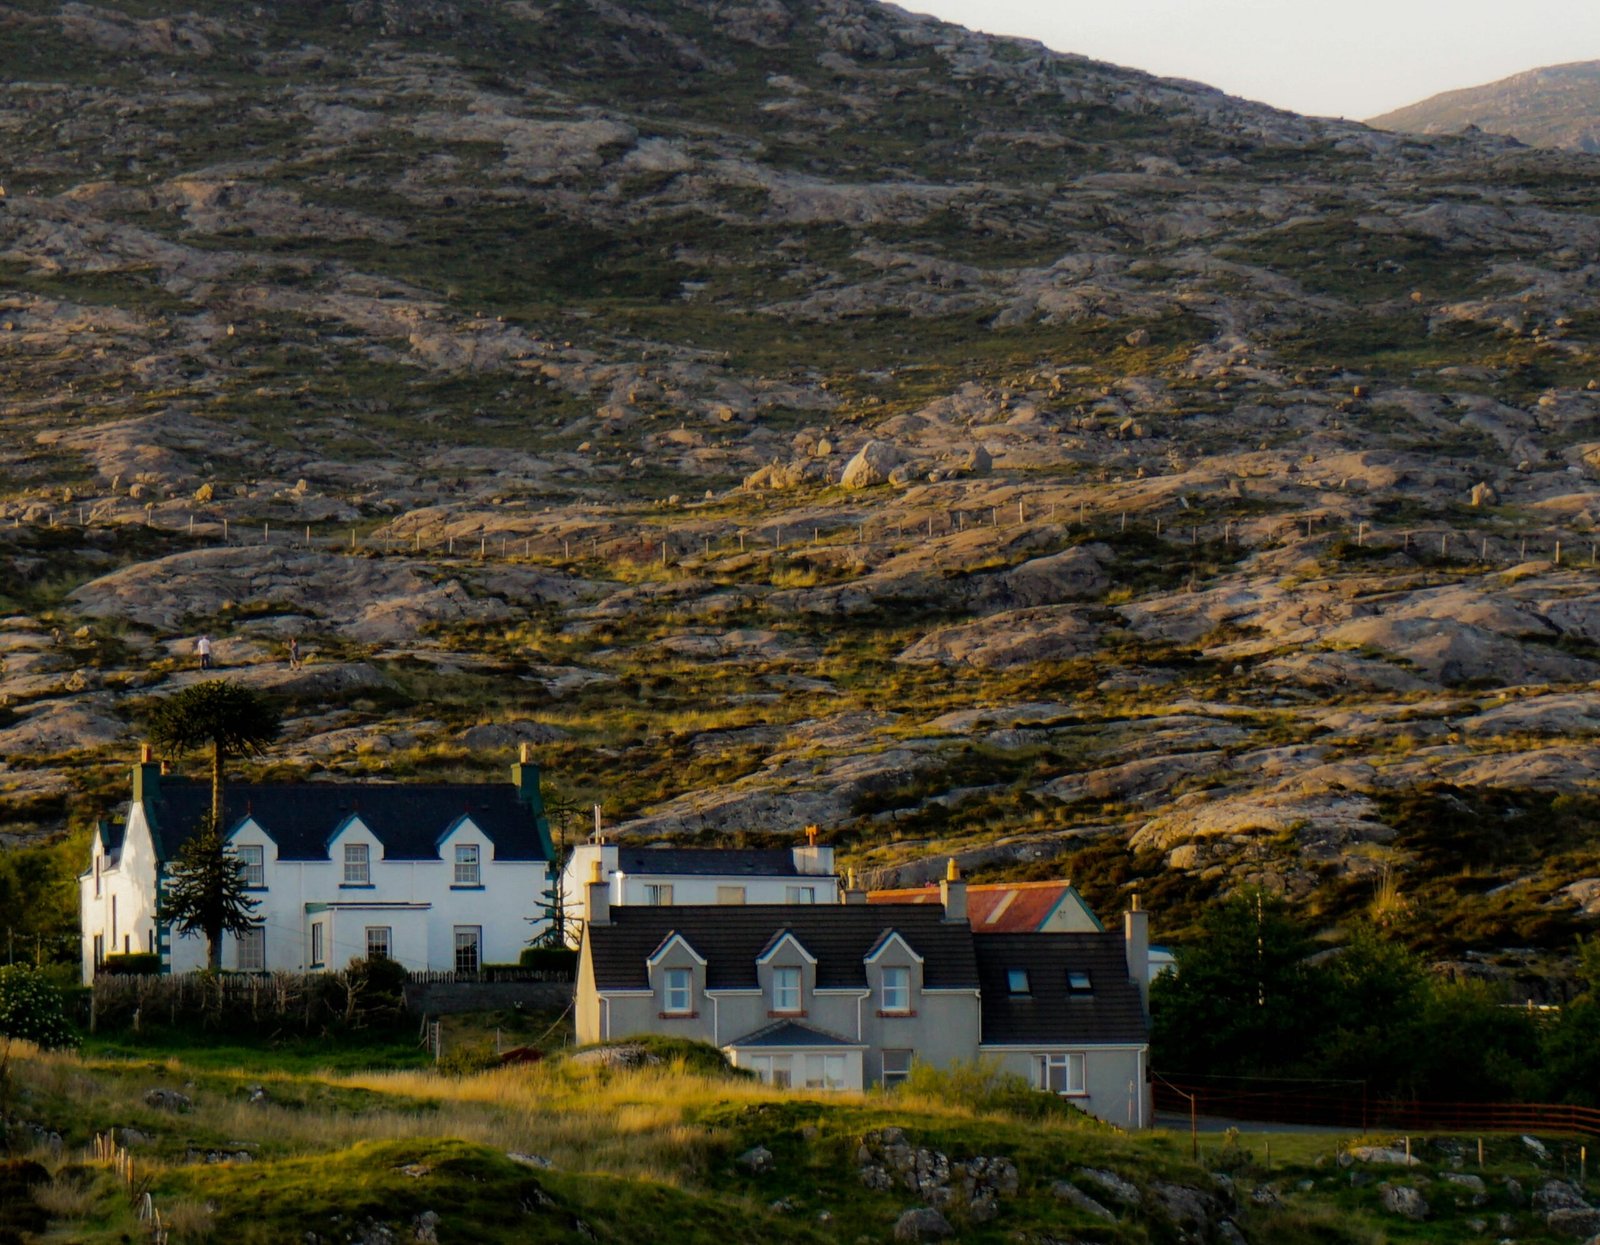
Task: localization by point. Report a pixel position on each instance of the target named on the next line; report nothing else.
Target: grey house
(849, 995)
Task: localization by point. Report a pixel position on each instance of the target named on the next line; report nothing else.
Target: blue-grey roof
(789, 1033)
(710, 861)
(408, 819)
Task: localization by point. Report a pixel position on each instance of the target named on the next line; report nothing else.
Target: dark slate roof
(707, 861)
(407, 818)
(732, 937)
(788, 1033)
(1111, 1013)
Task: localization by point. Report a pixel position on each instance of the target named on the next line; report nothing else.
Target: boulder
(1483, 494)
(167, 1100)
(757, 1161)
(1402, 1200)
(1120, 1190)
(979, 461)
(922, 1224)
(1558, 1195)
(1076, 1197)
(872, 465)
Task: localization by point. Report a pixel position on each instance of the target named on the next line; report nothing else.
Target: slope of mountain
(1219, 480)
(1556, 106)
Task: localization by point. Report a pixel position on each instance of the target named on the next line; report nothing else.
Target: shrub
(982, 1085)
(30, 1008)
(137, 963)
(550, 959)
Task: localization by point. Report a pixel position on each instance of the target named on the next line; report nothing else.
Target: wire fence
(1348, 1105)
(1495, 542)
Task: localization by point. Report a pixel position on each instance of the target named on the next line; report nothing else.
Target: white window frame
(1071, 1067)
(253, 865)
(788, 991)
(730, 895)
(385, 937)
(319, 944)
(658, 894)
(824, 1070)
(799, 894)
(358, 864)
(775, 1070)
(252, 952)
(901, 1071)
(897, 990)
(469, 866)
(469, 936)
(678, 991)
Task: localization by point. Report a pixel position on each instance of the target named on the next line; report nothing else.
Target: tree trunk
(214, 950)
(216, 785)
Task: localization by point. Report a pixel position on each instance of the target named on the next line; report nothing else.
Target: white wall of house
(1106, 1081)
(421, 903)
(813, 881)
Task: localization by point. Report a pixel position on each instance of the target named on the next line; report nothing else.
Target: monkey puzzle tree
(206, 892)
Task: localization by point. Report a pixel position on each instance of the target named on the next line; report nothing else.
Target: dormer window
(658, 894)
(897, 990)
(1017, 982)
(799, 894)
(357, 864)
(1078, 983)
(786, 990)
(468, 872)
(252, 866)
(679, 991)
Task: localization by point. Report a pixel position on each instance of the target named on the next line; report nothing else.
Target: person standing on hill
(294, 652)
(202, 647)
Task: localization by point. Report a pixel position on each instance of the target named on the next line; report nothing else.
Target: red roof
(993, 908)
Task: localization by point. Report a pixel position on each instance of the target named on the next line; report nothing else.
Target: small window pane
(800, 894)
(469, 938)
(730, 894)
(253, 950)
(1017, 980)
(658, 894)
(782, 1071)
(467, 872)
(316, 943)
(251, 864)
(1079, 983)
(378, 940)
(679, 995)
(897, 989)
(357, 864)
(896, 1066)
(786, 990)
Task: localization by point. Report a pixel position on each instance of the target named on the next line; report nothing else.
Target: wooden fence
(1347, 1105)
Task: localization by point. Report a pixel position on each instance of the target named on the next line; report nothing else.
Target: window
(1060, 1074)
(467, 871)
(113, 922)
(150, 941)
(97, 877)
(469, 939)
(774, 1069)
(824, 1071)
(317, 959)
(253, 950)
(799, 894)
(99, 950)
(897, 989)
(1079, 983)
(730, 894)
(357, 864)
(658, 894)
(896, 1066)
(680, 997)
(786, 989)
(252, 865)
(1017, 981)
(379, 939)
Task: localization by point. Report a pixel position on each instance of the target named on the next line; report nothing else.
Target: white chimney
(953, 892)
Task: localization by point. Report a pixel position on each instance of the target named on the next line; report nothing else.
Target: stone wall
(446, 998)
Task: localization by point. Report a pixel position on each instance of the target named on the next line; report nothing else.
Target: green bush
(550, 959)
(982, 1085)
(135, 963)
(30, 1008)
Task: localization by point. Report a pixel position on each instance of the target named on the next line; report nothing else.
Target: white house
(436, 876)
(699, 876)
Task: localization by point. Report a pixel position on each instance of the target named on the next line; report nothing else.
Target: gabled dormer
(787, 974)
(354, 850)
(677, 978)
(894, 975)
(466, 849)
(255, 847)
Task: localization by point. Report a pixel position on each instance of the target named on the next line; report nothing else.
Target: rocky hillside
(1557, 106)
(797, 412)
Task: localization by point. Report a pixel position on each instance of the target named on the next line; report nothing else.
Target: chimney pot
(525, 752)
(145, 754)
(952, 871)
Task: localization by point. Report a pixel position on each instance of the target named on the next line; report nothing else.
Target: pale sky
(1349, 58)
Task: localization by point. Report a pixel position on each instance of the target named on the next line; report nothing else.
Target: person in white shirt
(202, 646)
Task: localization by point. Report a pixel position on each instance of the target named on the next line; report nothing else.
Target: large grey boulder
(922, 1224)
(1402, 1200)
(872, 465)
